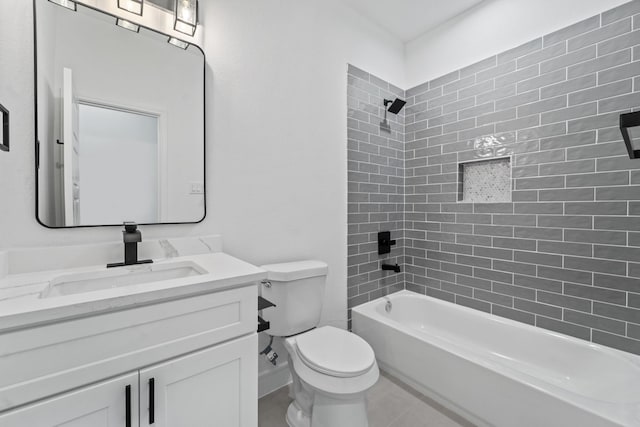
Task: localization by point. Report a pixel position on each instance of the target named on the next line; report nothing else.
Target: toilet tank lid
(288, 271)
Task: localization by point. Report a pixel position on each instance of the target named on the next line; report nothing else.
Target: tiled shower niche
(485, 181)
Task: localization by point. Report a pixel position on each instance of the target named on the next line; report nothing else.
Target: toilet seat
(326, 375)
(335, 352)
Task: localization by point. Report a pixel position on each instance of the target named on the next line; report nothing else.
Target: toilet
(331, 368)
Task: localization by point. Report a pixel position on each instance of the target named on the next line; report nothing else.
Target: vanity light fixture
(69, 4)
(186, 16)
(178, 43)
(127, 25)
(133, 6)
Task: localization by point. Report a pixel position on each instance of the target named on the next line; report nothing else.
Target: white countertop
(21, 305)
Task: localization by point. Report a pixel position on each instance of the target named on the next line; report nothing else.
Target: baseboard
(450, 409)
(272, 380)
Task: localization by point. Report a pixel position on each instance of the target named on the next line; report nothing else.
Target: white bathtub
(498, 372)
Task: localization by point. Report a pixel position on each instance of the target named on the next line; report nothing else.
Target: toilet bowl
(331, 369)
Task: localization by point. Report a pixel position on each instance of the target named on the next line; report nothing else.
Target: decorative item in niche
(490, 146)
(486, 181)
(4, 131)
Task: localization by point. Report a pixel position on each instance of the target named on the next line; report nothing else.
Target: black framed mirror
(120, 129)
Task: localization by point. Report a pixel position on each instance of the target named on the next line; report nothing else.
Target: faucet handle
(130, 226)
(385, 242)
(131, 234)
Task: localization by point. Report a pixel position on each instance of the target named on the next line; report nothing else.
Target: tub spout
(395, 268)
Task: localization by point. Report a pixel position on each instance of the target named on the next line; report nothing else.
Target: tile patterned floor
(390, 404)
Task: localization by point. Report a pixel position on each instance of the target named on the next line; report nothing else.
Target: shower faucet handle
(385, 242)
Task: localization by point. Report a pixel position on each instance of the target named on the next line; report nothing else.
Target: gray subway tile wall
(376, 186)
(560, 255)
(563, 255)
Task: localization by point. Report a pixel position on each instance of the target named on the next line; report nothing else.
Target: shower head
(396, 105)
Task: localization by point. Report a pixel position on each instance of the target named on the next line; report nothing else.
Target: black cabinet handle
(127, 406)
(152, 401)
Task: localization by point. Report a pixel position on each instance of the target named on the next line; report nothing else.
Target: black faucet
(395, 268)
(131, 237)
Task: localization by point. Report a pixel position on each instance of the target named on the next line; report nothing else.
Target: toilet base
(329, 412)
(322, 400)
(342, 412)
(296, 417)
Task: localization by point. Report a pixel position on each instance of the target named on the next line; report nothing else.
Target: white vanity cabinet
(196, 353)
(212, 387)
(107, 404)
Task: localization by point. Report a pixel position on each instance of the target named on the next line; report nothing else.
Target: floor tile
(390, 403)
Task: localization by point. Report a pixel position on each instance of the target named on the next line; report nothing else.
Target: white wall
(278, 125)
(280, 132)
(278, 128)
(491, 27)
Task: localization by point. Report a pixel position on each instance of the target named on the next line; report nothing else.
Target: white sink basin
(118, 277)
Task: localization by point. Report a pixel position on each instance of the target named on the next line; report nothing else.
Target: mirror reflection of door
(71, 151)
(114, 138)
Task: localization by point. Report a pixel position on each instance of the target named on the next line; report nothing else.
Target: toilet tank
(297, 290)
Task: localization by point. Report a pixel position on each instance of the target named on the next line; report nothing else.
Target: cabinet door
(213, 387)
(112, 403)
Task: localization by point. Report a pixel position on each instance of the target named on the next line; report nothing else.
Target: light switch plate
(197, 188)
